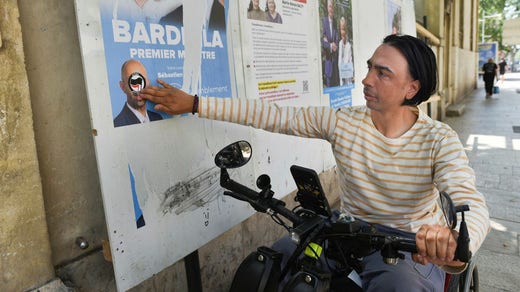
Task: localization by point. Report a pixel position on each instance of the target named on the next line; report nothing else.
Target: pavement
(487, 130)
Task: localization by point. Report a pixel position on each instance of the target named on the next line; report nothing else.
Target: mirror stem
(224, 177)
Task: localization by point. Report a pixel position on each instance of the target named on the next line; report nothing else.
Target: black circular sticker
(136, 82)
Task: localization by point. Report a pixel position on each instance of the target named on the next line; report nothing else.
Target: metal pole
(192, 267)
(483, 31)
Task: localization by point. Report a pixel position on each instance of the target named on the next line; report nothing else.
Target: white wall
(370, 24)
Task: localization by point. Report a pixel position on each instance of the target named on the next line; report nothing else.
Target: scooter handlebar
(377, 240)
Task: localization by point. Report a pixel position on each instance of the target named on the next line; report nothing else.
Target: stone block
(455, 110)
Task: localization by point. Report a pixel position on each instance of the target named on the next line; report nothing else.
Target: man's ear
(413, 88)
(122, 86)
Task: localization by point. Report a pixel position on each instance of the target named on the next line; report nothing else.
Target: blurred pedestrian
(490, 73)
(502, 69)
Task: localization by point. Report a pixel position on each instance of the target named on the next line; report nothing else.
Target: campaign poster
(393, 17)
(278, 52)
(180, 42)
(337, 56)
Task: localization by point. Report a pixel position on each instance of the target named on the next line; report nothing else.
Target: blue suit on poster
(139, 217)
(330, 55)
(127, 117)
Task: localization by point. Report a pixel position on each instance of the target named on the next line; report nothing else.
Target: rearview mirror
(448, 209)
(234, 155)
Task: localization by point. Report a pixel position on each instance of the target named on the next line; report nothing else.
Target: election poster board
(157, 178)
(159, 184)
(485, 52)
(160, 187)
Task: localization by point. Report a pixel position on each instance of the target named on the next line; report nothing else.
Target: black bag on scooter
(260, 271)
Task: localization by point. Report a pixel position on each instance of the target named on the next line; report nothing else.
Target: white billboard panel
(160, 188)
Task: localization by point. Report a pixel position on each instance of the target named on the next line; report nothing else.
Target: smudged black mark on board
(206, 217)
(193, 193)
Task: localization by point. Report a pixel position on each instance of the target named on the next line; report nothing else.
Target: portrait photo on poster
(337, 54)
(154, 39)
(393, 17)
(264, 10)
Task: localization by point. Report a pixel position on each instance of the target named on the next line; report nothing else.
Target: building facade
(52, 229)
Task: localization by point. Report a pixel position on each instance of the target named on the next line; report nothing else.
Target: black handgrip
(258, 206)
(236, 196)
(243, 191)
(462, 253)
(405, 244)
(262, 205)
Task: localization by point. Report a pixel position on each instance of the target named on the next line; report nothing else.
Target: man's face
(388, 82)
(132, 88)
(330, 8)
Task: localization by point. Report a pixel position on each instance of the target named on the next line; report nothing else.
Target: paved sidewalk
(486, 129)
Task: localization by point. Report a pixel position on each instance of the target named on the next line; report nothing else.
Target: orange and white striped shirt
(394, 182)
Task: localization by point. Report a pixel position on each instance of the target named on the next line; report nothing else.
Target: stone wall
(25, 251)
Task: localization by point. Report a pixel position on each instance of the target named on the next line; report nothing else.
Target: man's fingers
(168, 99)
(163, 83)
(443, 237)
(446, 244)
(153, 93)
(150, 95)
(419, 259)
(431, 243)
(452, 245)
(420, 241)
(435, 244)
(162, 108)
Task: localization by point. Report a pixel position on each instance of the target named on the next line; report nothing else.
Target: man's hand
(168, 99)
(436, 244)
(333, 46)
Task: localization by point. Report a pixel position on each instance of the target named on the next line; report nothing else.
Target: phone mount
(263, 182)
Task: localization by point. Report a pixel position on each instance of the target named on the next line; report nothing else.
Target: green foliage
(492, 14)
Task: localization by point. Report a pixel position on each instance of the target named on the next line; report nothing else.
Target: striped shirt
(390, 181)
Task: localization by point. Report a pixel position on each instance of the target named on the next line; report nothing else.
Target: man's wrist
(455, 269)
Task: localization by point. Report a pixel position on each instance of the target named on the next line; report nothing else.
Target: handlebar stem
(256, 200)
